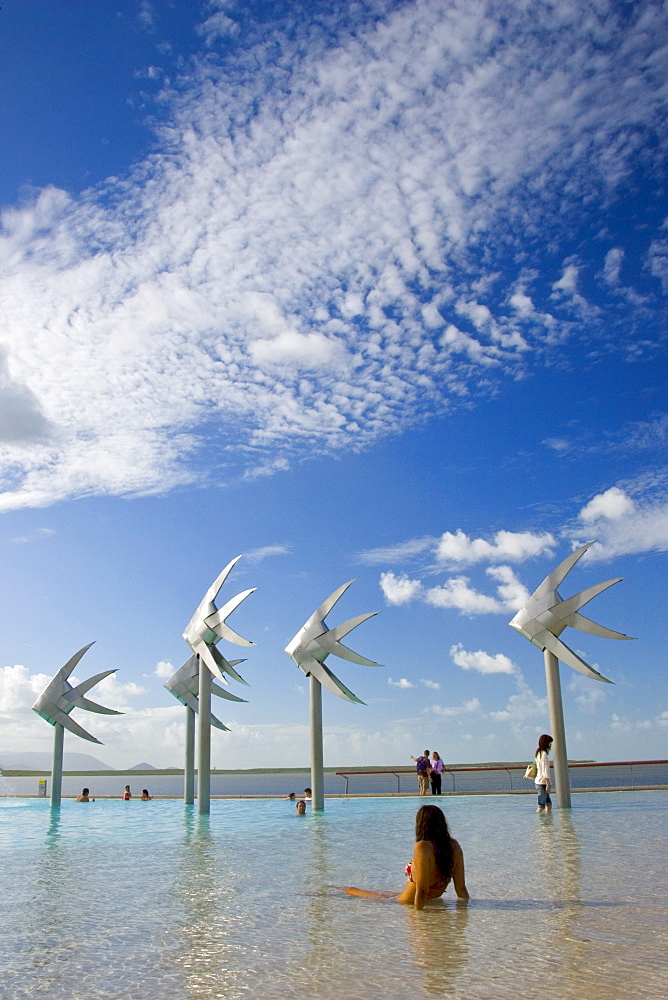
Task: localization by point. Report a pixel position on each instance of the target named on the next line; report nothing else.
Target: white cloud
(613, 263)
(164, 669)
(588, 694)
(19, 688)
(399, 589)
(622, 525)
(557, 444)
(298, 350)
(484, 663)
(513, 593)
(619, 723)
(568, 282)
(21, 418)
(397, 553)
(657, 261)
(457, 593)
(522, 303)
(611, 505)
(113, 693)
(433, 685)
(403, 683)
(470, 707)
(506, 546)
(266, 551)
(525, 712)
(258, 274)
(217, 26)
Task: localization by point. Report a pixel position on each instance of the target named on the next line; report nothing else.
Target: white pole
(57, 769)
(317, 777)
(204, 748)
(189, 763)
(558, 733)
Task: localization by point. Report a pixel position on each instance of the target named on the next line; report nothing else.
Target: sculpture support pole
(204, 747)
(57, 769)
(558, 732)
(317, 778)
(189, 763)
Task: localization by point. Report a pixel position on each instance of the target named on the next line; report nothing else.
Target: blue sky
(370, 290)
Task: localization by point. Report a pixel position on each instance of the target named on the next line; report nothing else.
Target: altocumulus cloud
(292, 266)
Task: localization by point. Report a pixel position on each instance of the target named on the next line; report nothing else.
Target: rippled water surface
(148, 900)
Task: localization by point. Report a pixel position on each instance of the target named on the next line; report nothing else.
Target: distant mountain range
(10, 760)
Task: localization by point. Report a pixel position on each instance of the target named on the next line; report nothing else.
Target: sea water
(138, 900)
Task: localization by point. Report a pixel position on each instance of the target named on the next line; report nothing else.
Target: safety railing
(584, 775)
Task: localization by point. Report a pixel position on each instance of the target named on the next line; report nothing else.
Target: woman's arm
(458, 875)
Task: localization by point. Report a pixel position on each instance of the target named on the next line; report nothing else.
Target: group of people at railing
(429, 772)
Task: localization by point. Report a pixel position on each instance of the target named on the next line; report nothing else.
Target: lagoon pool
(149, 901)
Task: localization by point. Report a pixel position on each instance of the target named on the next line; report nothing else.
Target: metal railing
(584, 775)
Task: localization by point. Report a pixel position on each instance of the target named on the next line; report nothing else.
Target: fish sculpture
(209, 625)
(314, 642)
(59, 698)
(545, 616)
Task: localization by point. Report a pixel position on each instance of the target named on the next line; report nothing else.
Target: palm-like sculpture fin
(65, 671)
(334, 683)
(571, 605)
(216, 621)
(78, 701)
(58, 716)
(593, 628)
(216, 586)
(321, 613)
(570, 658)
(559, 574)
(330, 641)
(314, 642)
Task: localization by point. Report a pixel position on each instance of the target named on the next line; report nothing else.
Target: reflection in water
(437, 936)
(195, 889)
(52, 916)
(322, 959)
(559, 858)
(53, 830)
(209, 951)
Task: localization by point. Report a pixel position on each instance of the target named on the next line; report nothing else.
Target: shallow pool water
(149, 900)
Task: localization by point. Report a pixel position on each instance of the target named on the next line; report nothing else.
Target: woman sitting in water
(437, 859)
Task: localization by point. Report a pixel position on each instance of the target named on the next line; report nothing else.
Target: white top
(543, 772)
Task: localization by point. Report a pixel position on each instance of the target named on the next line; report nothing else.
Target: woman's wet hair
(431, 824)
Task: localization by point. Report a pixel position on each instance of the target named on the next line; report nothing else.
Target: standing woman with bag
(542, 780)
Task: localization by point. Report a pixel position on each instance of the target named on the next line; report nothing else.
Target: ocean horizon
(355, 780)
